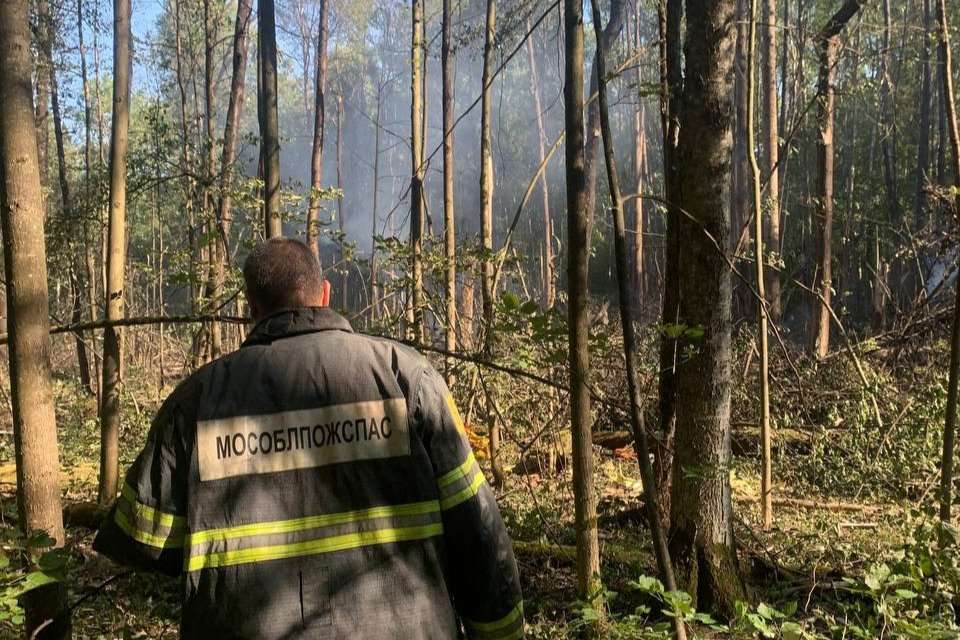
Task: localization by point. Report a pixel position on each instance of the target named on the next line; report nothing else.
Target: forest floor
(854, 551)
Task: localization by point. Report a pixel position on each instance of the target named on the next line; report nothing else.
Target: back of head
(282, 273)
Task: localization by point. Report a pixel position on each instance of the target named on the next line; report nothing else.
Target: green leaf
(38, 579)
(791, 631)
(529, 307)
(510, 301)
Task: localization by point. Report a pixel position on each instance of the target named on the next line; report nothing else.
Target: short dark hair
(282, 273)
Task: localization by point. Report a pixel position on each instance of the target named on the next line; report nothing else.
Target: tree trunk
(269, 121)
(374, 272)
(230, 135)
(578, 247)
(701, 539)
(950, 100)
(43, 92)
(342, 239)
(638, 274)
(548, 286)
(770, 115)
(486, 228)
(316, 156)
(661, 553)
(449, 219)
(116, 256)
(771, 151)
(921, 216)
(740, 168)
(32, 402)
(592, 145)
(829, 42)
(671, 80)
(415, 312)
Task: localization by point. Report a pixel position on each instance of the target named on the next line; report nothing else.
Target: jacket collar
(292, 322)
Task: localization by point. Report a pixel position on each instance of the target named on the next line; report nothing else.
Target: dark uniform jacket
(318, 483)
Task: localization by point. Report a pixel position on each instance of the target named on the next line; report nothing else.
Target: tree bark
(32, 402)
(661, 553)
(771, 151)
(231, 132)
(671, 80)
(415, 314)
(548, 285)
(592, 145)
(701, 539)
(269, 121)
(921, 217)
(770, 115)
(578, 247)
(449, 218)
(116, 255)
(829, 42)
(950, 100)
(486, 228)
(316, 155)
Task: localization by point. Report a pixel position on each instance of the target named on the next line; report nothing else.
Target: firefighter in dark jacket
(316, 483)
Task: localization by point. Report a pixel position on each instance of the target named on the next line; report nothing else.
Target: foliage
(26, 562)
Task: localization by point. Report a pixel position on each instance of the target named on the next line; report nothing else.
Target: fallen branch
(816, 504)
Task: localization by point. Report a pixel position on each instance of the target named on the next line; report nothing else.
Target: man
(316, 484)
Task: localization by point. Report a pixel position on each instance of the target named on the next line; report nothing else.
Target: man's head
(281, 273)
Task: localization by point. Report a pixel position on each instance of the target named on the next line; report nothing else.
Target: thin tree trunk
(701, 538)
(592, 149)
(740, 168)
(829, 42)
(319, 123)
(771, 150)
(549, 278)
(449, 218)
(661, 553)
(578, 246)
(32, 402)
(486, 228)
(231, 130)
(638, 274)
(43, 93)
(269, 122)
(415, 308)
(374, 272)
(671, 80)
(216, 253)
(887, 123)
(949, 431)
(770, 146)
(116, 256)
(921, 217)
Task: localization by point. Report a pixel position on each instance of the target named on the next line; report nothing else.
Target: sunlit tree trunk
(269, 121)
(486, 227)
(116, 255)
(578, 246)
(771, 149)
(449, 218)
(32, 402)
(415, 305)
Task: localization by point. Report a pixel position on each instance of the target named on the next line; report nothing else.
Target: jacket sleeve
(484, 578)
(145, 527)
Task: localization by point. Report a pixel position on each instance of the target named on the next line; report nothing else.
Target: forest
(689, 268)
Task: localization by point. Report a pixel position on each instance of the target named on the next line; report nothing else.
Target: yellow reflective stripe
(490, 629)
(457, 420)
(458, 473)
(169, 541)
(310, 547)
(464, 494)
(149, 513)
(312, 522)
